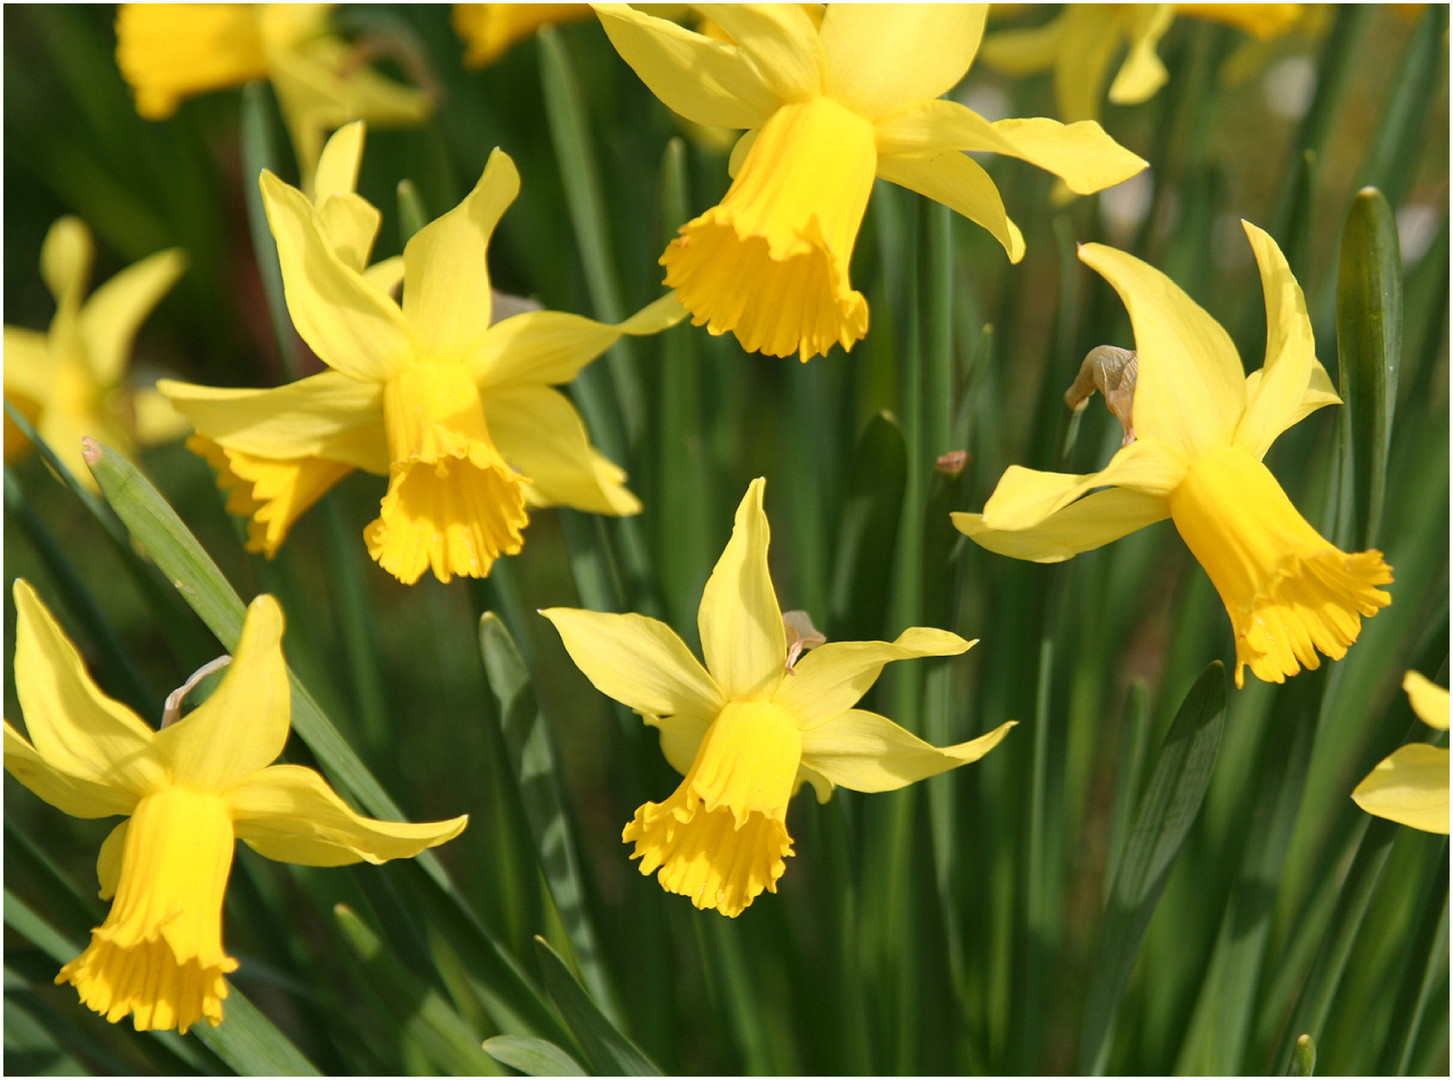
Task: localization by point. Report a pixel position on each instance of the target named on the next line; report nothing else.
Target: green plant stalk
(259, 151)
(1435, 972)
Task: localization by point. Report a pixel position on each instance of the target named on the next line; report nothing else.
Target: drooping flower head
(1410, 785)
(169, 52)
(830, 103)
(460, 414)
(188, 791)
(748, 728)
(68, 381)
(1201, 428)
(489, 30)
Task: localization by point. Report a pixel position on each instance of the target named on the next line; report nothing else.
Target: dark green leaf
(607, 1051)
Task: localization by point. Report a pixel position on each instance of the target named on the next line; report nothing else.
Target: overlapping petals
(1410, 785)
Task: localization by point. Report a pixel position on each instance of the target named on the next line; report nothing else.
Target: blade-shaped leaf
(531, 1056)
(607, 1051)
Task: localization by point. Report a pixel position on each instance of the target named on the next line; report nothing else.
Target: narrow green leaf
(1172, 799)
(1435, 972)
(532, 763)
(531, 1056)
(1369, 352)
(607, 1051)
(1397, 137)
(413, 215)
(868, 532)
(259, 151)
(1304, 1057)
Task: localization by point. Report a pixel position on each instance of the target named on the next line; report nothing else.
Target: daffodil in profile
(831, 100)
(458, 412)
(170, 52)
(748, 728)
(1410, 785)
(188, 792)
(489, 30)
(1200, 429)
(69, 381)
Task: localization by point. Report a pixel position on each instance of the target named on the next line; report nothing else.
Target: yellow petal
(1191, 389)
(353, 328)
(638, 661)
(880, 57)
(68, 793)
(1085, 525)
(490, 29)
(386, 275)
(65, 261)
(740, 622)
(681, 736)
(550, 347)
(155, 420)
(110, 318)
(350, 225)
(1091, 38)
(708, 82)
(28, 368)
(1409, 786)
(831, 678)
(957, 181)
(168, 52)
(782, 42)
(1286, 377)
(1428, 699)
(446, 280)
(326, 416)
(1025, 497)
(867, 752)
(1142, 73)
(290, 814)
(1319, 394)
(540, 434)
(1023, 52)
(77, 729)
(244, 724)
(337, 172)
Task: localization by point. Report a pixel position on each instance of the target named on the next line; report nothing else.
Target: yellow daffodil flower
(68, 382)
(1410, 785)
(829, 106)
(188, 791)
(1082, 41)
(168, 52)
(1201, 428)
(748, 728)
(459, 414)
(489, 30)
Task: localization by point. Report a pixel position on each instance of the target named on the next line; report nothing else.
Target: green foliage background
(989, 920)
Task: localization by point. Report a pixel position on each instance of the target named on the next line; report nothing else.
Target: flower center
(159, 953)
(770, 263)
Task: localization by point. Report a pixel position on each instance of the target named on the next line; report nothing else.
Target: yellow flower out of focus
(1201, 429)
(489, 30)
(188, 791)
(460, 415)
(169, 52)
(1410, 785)
(748, 728)
(68, 382)
(1082, 41)
(830, 103)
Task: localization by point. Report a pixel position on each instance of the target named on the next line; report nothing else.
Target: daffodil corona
(1201, 428)
(460, 414)
(1410, 785)
(189, 791)
(752, 725)
(831, 101)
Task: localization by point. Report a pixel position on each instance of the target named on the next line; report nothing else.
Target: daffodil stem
(259, 152)
(346, 570)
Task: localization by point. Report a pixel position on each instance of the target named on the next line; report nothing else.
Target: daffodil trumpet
(1200, 429)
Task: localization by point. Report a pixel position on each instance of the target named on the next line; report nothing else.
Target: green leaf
(868, 532)
(607, 1051)
(531, 1056)
(1171, 802)
(1369, 352)
(412, 214)
(259, 151)
(1304, 1057)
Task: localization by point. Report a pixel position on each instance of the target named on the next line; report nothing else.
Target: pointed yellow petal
(350, 225)
(1142, 73)
(69, 793)
(1281, 393)
(115, 311)
(28, 368)
(539, 432)
(1319, 394)
(1428, 699)
(867, 752)
(957, 181)
(831, 678)
(1191, 389)
(880, 57)
(739, 619)
(328, 415)
(77, 729)
(1085, 525)
(489, 30)
(168, 52)
(782, 42)
(446, 279)
(353, 328)
(638, 661)
(290, 814)
(708, 82)
(337, 172)
(244, 724)
(1091, 38)
(65, 261)
(1025, 497)
(156, 421)
(550, 347)
(1409, 786)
